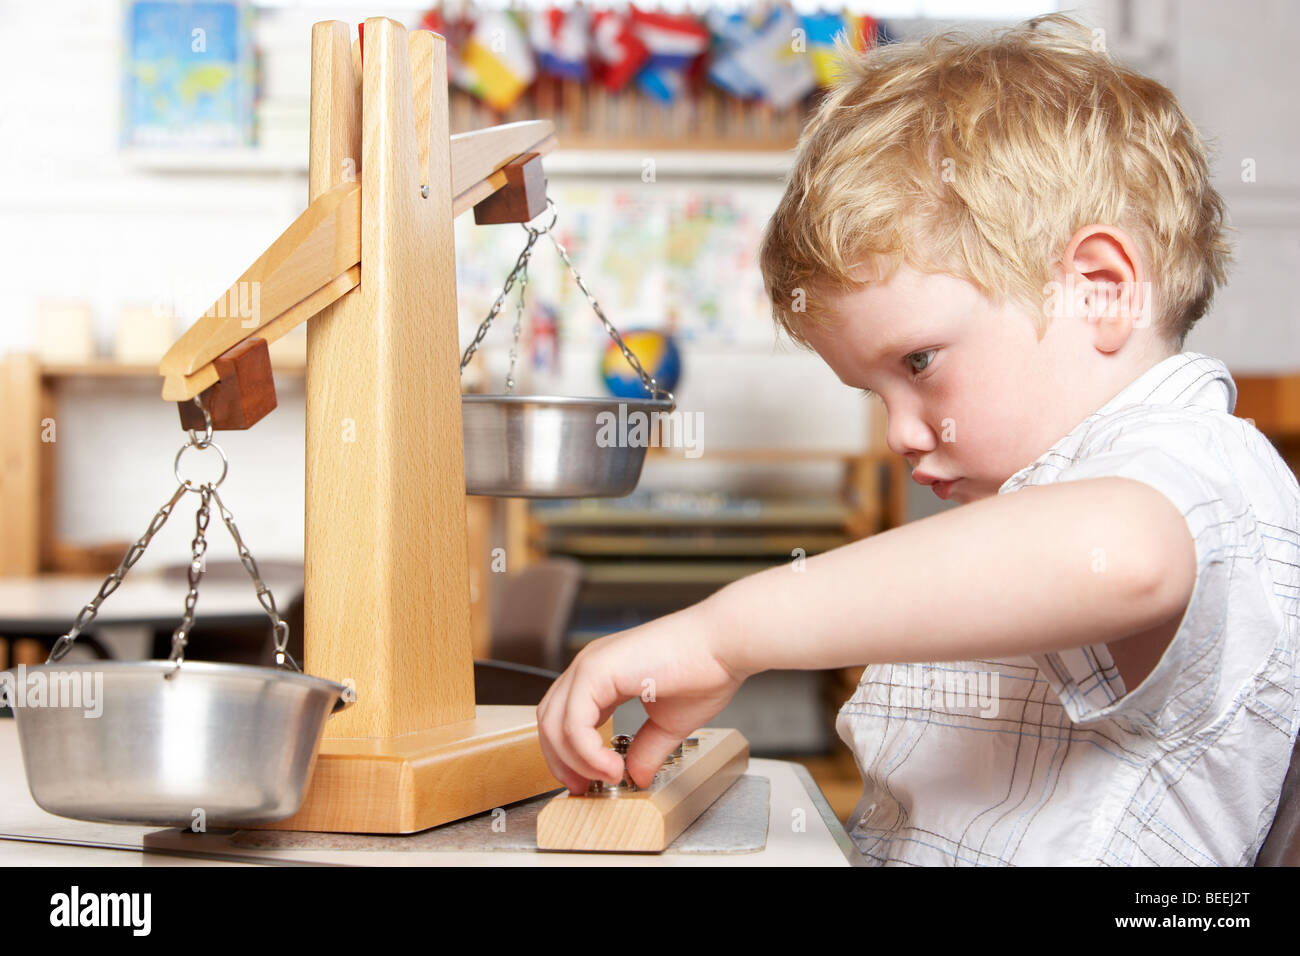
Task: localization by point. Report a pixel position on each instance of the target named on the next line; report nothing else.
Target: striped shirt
(1048, 759)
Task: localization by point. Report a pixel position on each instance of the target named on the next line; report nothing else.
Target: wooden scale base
(371, 262)
(420, 780)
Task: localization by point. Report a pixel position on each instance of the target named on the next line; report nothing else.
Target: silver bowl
(235, 742)
(539, 446)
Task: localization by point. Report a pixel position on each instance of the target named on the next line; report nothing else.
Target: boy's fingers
(572, 781)
(587, 752)
(568, 720)
(547, 699)
(606, 712)
(550, 733)
(545, 707)
(563, 728)
(649, 750)
(589, 704)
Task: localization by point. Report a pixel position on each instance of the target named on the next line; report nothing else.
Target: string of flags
(772, 54)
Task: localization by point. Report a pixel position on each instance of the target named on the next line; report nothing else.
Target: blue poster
(188, 76)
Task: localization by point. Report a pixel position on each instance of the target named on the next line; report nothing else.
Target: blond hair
(980, 158)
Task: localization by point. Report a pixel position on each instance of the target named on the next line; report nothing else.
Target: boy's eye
(908, 359)
(927, 361)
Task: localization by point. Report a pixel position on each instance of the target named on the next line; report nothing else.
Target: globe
(658, 355)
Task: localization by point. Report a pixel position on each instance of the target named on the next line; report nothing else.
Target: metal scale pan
(536, 446)
(174, 742)
(235, 743)
(542, 446)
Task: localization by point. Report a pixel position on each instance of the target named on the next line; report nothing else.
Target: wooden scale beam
(387, 589)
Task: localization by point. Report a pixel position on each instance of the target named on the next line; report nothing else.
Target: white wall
(1236, 73)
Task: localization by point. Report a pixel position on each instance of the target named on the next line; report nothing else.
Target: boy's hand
(670, 663)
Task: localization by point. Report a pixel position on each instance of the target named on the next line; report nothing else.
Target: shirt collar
(1188, 378)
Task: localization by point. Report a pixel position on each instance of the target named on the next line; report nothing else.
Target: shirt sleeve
(1182, 459)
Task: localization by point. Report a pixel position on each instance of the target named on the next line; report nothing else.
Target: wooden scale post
(387, 589)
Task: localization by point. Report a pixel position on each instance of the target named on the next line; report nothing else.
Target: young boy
(1094, 660)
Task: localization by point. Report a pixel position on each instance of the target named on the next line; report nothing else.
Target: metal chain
(64, 643)
(198, 548)
(648, 381)
(279, 627)
(521, 265)
(519, 318)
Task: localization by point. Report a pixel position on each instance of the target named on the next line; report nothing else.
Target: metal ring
(207, 421)
(189, 485)
(549, 226)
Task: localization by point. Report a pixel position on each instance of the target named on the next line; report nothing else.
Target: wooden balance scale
(372, 259)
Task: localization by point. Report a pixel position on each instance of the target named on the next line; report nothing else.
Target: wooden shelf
(31, 390)
(113, 369)
(108, 368)
(766, 545)
(701, 573)
(660, 453)
(671, 160)
(599, 133)
(824, 515)
(627, 157)
(586, 116)
(1273, 401)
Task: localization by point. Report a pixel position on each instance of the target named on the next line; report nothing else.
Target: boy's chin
(963, 493)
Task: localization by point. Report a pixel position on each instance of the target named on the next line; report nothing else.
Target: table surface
(29, 836)
(48, 604)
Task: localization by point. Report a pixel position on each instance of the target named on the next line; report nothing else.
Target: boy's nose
(908, 436)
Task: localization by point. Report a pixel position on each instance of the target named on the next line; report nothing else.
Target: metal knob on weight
(601, 788)
(619, 744)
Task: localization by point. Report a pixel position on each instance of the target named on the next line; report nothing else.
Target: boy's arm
(1047, 567)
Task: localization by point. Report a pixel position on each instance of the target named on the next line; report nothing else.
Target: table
(48, 603)
(31, 837)
(44, 606)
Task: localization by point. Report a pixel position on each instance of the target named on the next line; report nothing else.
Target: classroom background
(133, 188)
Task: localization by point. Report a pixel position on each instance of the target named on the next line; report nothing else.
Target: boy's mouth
(924, 478)
(943, 488)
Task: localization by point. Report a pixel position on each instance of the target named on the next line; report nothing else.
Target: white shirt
(1047, 759)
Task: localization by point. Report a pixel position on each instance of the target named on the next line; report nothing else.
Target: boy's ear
(1101, 253)
(1103, 267)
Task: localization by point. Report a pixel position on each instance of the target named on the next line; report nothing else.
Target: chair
(1282, 845)
(495, 682)
(501, 682)
(230, 643)
(539, 602)
(532, 617)
(532, 613)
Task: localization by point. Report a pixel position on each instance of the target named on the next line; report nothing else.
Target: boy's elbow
(1165, 569)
